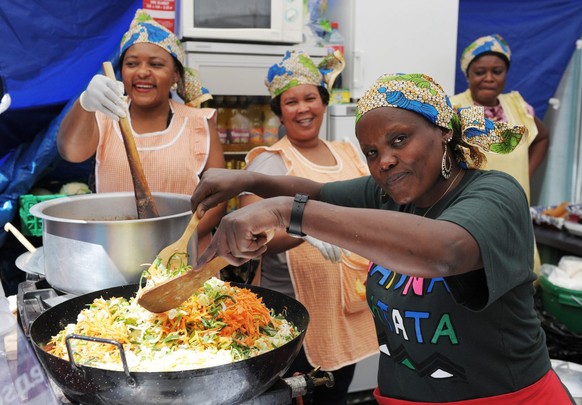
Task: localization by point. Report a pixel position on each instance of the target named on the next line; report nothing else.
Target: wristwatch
(294, 228)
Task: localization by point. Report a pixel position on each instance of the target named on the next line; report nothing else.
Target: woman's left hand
(328, 251)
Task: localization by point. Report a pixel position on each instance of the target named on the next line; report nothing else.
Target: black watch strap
(294, 228)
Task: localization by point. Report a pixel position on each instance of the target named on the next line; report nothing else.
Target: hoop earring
(174, 86)
(446, 165)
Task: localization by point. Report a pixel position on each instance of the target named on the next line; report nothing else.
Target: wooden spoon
(173, 292)
(146, 207)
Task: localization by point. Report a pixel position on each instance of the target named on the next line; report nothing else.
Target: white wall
(397, 36)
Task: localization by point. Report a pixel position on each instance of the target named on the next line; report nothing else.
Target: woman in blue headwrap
(450, 246)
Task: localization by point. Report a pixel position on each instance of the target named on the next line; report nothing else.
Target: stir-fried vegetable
(218, 325)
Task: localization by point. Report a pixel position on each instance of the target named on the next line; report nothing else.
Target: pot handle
(129, 379)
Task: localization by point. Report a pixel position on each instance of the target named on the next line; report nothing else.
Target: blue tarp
(49, 50)
(542, 36)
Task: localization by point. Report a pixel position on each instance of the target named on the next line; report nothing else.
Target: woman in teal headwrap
(450, 246)
(175, 142)
(485, 63)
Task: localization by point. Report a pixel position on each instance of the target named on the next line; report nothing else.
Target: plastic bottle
(271, 124)
(240, 125)
(334, 41)
(230, 107)
(222, 120)
(232, 203)
(255, 115)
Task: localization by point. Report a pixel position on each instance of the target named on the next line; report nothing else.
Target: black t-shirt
(469, 336)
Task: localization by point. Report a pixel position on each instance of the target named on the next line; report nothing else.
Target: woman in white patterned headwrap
(450, 245)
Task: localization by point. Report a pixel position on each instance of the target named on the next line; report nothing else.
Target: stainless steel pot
(571, 376)
(95, 241)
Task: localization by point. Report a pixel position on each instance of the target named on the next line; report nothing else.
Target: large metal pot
(226, 384)
(95, 241)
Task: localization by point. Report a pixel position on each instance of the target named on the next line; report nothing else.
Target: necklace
(442, 195)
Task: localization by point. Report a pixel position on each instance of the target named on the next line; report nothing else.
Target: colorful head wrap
(297, 68)
(490, 44)
(421, 94)
(144, 29)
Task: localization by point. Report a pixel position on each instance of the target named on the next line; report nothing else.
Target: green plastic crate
(564, 304)
(31, 225)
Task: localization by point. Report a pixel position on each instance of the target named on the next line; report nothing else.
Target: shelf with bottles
(244, 122)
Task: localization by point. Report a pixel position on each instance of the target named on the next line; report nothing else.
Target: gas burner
(35, 295)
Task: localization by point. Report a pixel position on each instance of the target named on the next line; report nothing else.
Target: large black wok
(226, 384)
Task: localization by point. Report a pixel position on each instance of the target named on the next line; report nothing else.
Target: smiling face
(302, 112)
(404, 153)
(486, 76)
(148, 73)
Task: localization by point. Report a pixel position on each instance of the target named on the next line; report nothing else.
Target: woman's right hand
(104, 95)
(216, 186)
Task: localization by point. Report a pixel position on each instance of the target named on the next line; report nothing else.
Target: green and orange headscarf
(298, 68)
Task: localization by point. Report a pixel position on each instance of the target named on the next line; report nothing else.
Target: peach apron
(341, 329)
(172, 159)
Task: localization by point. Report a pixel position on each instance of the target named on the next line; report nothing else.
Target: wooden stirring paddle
(173, 292)
(146, 208)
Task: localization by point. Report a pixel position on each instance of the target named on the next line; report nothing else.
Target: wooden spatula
(174, 250)
(171, 293)
(146, 207)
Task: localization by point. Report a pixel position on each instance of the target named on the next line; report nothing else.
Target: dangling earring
(174, 86)
(446, 164)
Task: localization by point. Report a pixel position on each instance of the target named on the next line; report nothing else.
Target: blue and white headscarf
(489, 44)
(144, 29)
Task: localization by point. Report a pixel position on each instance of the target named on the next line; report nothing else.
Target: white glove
(105, 95)
(328, 251)
(5, 102)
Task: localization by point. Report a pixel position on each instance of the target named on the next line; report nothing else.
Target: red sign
(163, 11)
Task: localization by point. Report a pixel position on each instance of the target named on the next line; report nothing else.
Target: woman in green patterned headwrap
(450, 247)
(300, 93)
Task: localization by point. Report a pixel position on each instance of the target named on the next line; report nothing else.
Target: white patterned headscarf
(419, 93)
